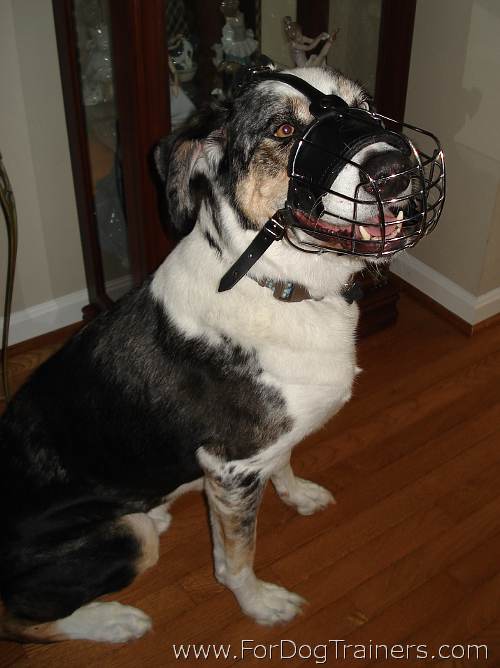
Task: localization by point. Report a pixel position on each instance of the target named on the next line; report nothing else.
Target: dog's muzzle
(358, 184)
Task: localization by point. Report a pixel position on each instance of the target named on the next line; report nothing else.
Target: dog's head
(235, 159)
(244, 147)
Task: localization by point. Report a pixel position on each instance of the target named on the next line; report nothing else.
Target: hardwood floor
(409, 555)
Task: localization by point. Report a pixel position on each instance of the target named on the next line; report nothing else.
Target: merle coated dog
(180, 386)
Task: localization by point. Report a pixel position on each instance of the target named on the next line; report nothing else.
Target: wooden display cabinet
(114, 70)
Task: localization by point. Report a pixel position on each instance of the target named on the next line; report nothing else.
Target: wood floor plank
(479, 564)
(482, 649)
(413, 420)
(11, 654)
(326, 549)
(433, 598)
(479, 612)
(390, 584)
(404, 581)
(370, 516)
(328, 590)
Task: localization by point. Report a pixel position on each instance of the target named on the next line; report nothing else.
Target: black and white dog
(181, 386)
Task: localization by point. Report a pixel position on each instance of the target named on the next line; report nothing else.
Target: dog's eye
(285, 130)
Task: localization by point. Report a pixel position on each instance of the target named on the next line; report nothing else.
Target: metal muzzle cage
(382, 211)
(397, 220)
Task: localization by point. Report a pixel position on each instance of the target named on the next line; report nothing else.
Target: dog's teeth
(400, 216)
(364, 233)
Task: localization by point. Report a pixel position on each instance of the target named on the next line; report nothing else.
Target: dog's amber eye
(285, 130)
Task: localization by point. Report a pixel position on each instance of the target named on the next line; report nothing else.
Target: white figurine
(181, 52)
(238, 43)
(300, 44)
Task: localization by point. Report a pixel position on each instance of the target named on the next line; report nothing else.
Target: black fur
(213, 244)
(108, 426)
(172, 156)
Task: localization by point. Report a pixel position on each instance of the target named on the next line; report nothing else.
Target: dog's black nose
(388, 169)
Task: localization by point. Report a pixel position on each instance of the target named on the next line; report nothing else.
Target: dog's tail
(12, 628)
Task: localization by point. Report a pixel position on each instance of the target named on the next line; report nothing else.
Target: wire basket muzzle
(377, 216)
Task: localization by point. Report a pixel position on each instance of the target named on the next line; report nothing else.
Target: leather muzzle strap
(273, 230)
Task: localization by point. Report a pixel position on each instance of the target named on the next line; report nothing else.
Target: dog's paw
(270, 604)
(161, 518)
(307, 497)
(105, 622)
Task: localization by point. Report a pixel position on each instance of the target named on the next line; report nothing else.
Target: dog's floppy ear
(177, 159)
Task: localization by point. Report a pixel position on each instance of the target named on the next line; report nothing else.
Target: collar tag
(286, 291)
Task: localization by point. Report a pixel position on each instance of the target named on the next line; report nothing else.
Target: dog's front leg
(234, 498)
(305, 496)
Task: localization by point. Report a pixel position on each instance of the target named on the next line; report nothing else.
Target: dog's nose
(388, 169)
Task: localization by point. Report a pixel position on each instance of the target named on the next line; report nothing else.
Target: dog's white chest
(314, 371)
(305, 350)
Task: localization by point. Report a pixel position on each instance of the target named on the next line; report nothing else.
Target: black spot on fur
(213, 244)
(202, 192)
(47, 577)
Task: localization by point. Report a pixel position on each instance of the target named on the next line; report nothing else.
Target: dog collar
(287, 291)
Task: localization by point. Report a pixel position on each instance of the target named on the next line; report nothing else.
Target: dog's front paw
(307, 497)
(270, 604)
(161, 518)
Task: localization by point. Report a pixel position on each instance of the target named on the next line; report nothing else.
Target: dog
(180, 386)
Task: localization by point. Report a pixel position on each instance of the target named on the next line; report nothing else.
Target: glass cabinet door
(112, 57)
(127, 66)
(207, 42)
(95, 58)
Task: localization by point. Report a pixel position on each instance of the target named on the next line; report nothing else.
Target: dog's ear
(177, 159)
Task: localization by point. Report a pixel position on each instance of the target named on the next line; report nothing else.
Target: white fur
(305, 496)
(104, 622)
(161, 518)
(346, 183)
(267, 603)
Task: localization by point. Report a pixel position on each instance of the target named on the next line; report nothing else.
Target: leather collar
(286, 291)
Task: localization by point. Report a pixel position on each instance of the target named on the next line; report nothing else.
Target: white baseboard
(56, 313)
(465, 305)
(46, 317)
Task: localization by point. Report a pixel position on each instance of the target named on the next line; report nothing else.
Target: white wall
(355, 49)
(273, 39)
(454, 91)
(50, 283)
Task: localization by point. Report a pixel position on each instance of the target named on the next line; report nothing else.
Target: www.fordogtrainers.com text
(331, 650)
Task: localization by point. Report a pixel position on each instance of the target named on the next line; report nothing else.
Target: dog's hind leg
(161, 515)
(234, 499)
(52, 600)
(161, 518)
(305, 496)
(104, 622)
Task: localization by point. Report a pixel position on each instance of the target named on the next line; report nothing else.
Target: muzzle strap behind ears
(273, 230)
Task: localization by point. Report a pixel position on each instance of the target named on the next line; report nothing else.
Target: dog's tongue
(371, 226)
